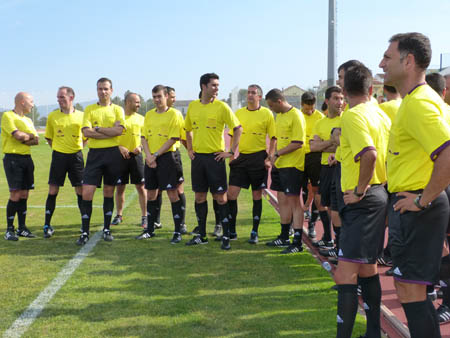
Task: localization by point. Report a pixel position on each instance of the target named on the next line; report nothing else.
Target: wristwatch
(276, 154)
(356, 193)
(417, 203)
(155, 154)
(231, 152)
(97, 128)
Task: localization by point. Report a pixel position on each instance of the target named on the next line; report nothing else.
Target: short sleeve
(8, 124)
(360, 141)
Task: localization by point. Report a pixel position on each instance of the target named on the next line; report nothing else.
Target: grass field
(130, 288)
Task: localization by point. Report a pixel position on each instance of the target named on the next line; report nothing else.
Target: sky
(138, 44)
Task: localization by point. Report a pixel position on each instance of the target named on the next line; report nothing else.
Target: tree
(42, 121)
(34, 115)
(117, 100)
(78, 107)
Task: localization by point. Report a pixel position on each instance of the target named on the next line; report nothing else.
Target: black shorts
(62, 164)
(337, 197)
(287, 180)
(19, 171)
(166, 174)
(326, 178)
(133, 170)
(363, 227)
(207, 173)
(312, 168)
(103, 163)
(177, 157)
(417, 239)
(249, 169)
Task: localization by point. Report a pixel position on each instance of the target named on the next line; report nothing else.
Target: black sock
(420, 319)
(11, 210)
(201, 210)
(86, 207)
(183, 208)
(216, 211)
(446, 292)
(297, 240)
(371, 294)
(49, 208)
(337, 234)
(233, 207)
(108, 207)
(433, 313)
(346, 309)
(152, 214)
(79, 201)
(257, 211)
(224, 212)
(285, 230)
(314, 213)
(176, 213)
(22, 213)
(326, 225)
(158, 208)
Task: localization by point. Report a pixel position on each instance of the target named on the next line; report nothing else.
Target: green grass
(131, 288)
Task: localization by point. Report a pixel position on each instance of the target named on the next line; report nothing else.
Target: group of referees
(364, 165)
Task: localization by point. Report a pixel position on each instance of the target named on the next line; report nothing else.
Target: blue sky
(138, 44)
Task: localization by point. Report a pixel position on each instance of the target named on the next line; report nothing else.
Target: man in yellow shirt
(18, 134)
(163, 171)
(418, 165)
(365, 132)
(288, 164)
(64, 136)
(103, 123)
(133, 163)
(250, 168)
(390, 107)
(312, 158)
(322, 142)
(205, 123)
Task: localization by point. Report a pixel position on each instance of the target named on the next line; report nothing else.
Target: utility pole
(331, 78)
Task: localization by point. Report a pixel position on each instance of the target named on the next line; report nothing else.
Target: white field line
(21, 324)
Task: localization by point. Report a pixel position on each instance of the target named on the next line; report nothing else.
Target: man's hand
(151, 161)
(222, 155)
(267, 163)
(124, 151)
(351, 198)
(406, 203)
(332, 159)
(191, 154)
(137, 151)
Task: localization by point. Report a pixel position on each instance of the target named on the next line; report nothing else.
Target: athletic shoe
(158, 225)
(253, 237)
(24, 232)
(144, 222)
(225, 244)
(359, 290)
(107, 235)
(311, 230)
(11, 236)
(183, 229)
(145, 235)
(328, 252)
(196, 240)
(117, 220)
(293, 248)
(390, 272)
(176, 238)
(84, 238)
(443, 312)
(48, 231)
(324, 244)
(233, 236)
(307, 215)
(217, 230)
(432, 295)
(279, 242)
(384, 260)
(196, 231)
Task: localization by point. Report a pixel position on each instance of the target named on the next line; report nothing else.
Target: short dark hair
(331, 90)
(158, 88)
(104, 79)
(357, 80)
(308, 98)
(324, 107)
(68, 90)
(258, 89)
(390, 89)
(275, 95)
(350, 63)
(127, 97)
(205, 78)
(416, 44)
(437, 82)
(170, 89)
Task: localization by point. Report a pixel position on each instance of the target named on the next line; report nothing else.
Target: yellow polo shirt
(391, 108)
(323, 129)
(65, 131)
(311, 121)
(12, 122)
(131, 136)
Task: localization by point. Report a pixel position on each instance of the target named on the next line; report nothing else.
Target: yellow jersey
(311, 121)
(64, 130)
(323, 129)
(131, 136)
(12, 122)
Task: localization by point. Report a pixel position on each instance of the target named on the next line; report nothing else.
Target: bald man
(18, 134)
